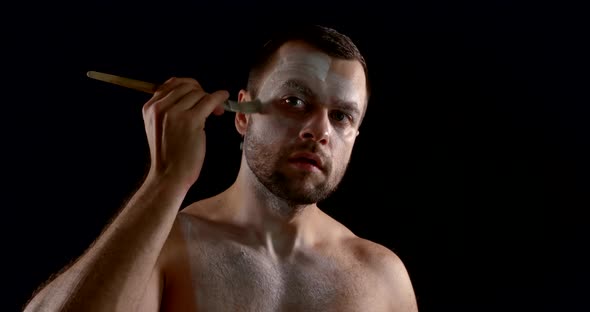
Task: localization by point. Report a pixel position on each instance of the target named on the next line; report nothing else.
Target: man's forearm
(111, 275)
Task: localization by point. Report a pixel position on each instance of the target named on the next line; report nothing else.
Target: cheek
(273, 129)
(278, 123)
(344, 149)
(348, 135)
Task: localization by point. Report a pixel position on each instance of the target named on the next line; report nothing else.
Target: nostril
(310, 135)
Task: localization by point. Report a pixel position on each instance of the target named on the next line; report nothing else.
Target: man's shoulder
(359, 248)
(372, 253)
(387, 269)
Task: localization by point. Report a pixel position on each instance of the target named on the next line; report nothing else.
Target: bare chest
(237, 278)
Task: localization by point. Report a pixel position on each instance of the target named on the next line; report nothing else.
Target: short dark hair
(326, 39)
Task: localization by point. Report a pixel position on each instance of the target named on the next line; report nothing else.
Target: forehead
(297, 59)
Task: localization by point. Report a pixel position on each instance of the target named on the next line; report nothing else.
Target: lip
(317, 161)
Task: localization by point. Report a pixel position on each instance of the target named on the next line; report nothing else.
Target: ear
(241, 119)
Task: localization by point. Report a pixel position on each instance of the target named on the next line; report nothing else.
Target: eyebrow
(297, 85)
(301, 87)
(350, 107)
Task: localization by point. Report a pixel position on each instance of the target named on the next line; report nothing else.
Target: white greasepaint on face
(346, 89)
(317, 71)
(296, 63)
(314, 63)
(327, 88)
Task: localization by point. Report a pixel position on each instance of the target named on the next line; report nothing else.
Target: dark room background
(472, 162)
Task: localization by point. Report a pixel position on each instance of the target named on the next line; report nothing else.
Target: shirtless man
(262, 244)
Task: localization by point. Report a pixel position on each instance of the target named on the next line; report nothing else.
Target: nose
(317, 128)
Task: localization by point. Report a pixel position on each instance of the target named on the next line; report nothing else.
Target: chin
(307, 195)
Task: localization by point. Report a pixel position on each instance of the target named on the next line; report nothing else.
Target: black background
(472, 163)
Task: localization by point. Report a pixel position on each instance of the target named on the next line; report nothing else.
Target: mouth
(307, 161)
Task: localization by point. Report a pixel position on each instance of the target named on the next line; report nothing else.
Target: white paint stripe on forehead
(316, 63)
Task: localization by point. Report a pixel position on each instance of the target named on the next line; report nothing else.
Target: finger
(218, 110)
(160, 92)
(189, 99)
(180, 98)
(170, 92)
(170, 84)
(175, 81)
(210, 103)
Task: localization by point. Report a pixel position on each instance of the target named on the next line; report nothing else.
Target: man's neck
(279, 225)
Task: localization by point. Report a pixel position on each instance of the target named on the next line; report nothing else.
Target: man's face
(300, 145)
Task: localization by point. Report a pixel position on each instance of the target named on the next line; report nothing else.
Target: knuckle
(157, 108)
(192, 83)
(146, 108)
(196, 93)
(154, 109)
(197, 84)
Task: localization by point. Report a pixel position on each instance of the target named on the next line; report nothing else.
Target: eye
(340, 116)
(294, 102)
